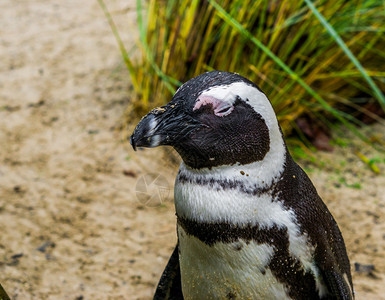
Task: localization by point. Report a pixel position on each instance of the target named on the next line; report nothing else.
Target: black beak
(143, 133)
(166, 125)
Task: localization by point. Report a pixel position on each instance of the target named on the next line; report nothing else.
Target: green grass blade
(122, 48)
(235, 24)
(341, 43)
(167, 80)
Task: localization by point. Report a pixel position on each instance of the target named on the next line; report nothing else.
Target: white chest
(236, 270)
(227, 271)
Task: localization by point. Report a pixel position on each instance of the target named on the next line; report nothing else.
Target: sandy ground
(76, 220)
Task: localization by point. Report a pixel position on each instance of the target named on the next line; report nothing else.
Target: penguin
(250, 223)
(3, 294)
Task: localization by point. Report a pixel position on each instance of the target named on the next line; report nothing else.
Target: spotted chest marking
(235, 270)
(287, 269)
(230, 216)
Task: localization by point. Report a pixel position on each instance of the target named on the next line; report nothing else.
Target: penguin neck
(234, 194)
(259, 174)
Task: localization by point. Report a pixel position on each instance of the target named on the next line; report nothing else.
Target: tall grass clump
(324, 59)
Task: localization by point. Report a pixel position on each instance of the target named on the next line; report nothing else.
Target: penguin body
(250, 223)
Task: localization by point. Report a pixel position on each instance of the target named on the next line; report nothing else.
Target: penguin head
(217, 118)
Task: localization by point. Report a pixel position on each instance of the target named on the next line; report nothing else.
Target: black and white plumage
(250, 222)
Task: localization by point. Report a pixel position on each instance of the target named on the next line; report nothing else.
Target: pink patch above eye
(221, 108)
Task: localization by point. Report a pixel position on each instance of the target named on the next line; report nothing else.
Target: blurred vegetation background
(321, 64)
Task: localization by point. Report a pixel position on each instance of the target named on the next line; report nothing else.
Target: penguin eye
(223, 109)
(219, 107)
